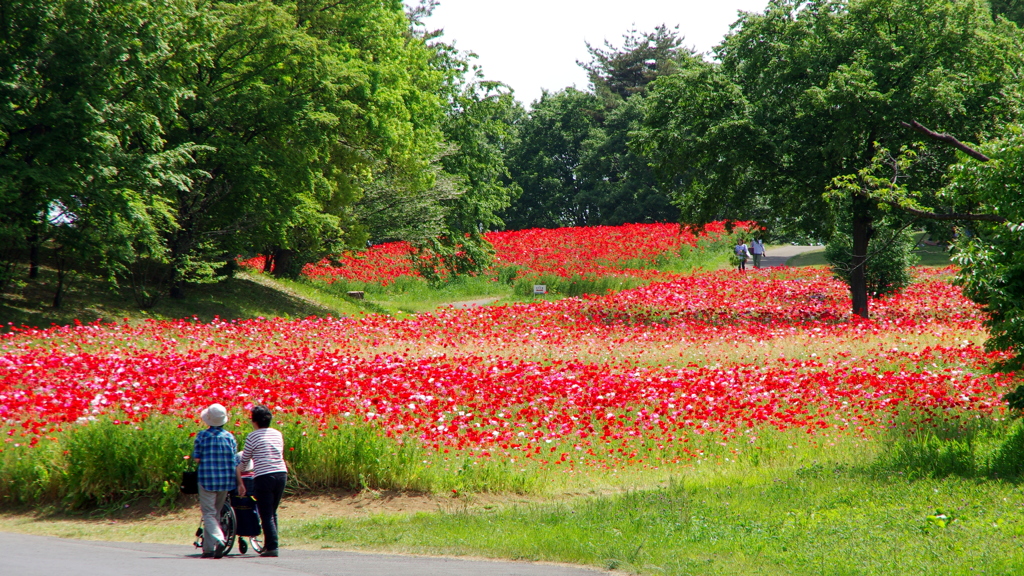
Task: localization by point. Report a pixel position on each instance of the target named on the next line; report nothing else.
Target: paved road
(777, 255)
(24, 555)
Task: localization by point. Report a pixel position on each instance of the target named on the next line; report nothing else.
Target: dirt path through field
(141, 523)
(268, 282)
(462, 304)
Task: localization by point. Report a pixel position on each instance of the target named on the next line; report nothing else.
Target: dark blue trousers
(268, 490)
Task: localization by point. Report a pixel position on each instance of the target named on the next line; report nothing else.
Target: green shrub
(508, 274)
(441, 258)
(890, 257)
(108, 462)
(353, 458)
(96, 464)
(30, 475)
(102, 463)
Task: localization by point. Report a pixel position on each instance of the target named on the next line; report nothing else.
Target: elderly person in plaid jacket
(216, 454)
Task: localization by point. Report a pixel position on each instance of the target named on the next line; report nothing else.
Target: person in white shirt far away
(742, 253)
(757, 249)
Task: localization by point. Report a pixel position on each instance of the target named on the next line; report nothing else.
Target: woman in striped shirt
(264, 446)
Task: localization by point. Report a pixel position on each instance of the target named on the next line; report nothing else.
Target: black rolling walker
(239, 520)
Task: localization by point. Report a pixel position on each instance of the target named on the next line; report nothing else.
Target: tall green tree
(601, 180)
(1012, 10)
(159, 139)
(620, 185)
(699, 136)
(298, 102)
(988, 250)
(481, 127)
(482, 124)
(87, 88)
(617, 73)
(444, 209)
(547, 161)
(818, 88)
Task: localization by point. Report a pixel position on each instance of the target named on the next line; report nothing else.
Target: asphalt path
(777, 255)
(25, 555)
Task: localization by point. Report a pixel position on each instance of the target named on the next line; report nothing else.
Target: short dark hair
(261, 416)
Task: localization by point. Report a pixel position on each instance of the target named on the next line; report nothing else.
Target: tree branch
(946, 138)
(963, 217)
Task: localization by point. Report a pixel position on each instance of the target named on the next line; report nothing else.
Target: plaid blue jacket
(216, 450)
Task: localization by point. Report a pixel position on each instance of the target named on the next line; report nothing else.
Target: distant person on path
(742, 253)
(757, 248)
(215, 454)
(264, 446)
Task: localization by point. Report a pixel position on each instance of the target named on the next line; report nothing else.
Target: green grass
(944, 500)
(707, 254)
(816, 519)
(415, 295)
(254, 294)
(407, 294)
(933, 255)
(560, 287)
(812, 258)
(922, 503)
(90, 298)
(107, 462)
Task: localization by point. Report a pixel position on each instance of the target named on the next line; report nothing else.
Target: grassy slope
(252, 294)
(245, 296)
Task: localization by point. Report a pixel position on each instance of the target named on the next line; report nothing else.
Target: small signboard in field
(540, 289)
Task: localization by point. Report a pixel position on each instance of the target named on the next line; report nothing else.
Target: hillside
(90, 299)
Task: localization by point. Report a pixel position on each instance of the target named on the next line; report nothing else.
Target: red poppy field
(693, 368)
(563, 252)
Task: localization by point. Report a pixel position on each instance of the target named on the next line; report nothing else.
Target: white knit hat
(215, 415)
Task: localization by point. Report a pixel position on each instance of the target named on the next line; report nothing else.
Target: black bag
(190, 482)
(247, 517)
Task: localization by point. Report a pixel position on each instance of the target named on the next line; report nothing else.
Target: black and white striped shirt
(265, 447)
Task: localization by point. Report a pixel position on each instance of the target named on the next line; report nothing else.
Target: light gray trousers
(210, 503)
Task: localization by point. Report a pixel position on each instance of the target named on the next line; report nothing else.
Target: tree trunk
(283, 263)
(58, 293)
(177, 290)
(179, 251)
(33, 256)
(62, 262)
(858, 261)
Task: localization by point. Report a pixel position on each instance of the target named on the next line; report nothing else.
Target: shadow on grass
(91, 299)
(982, 450)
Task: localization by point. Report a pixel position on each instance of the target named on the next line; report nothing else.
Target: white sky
(534, 44)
